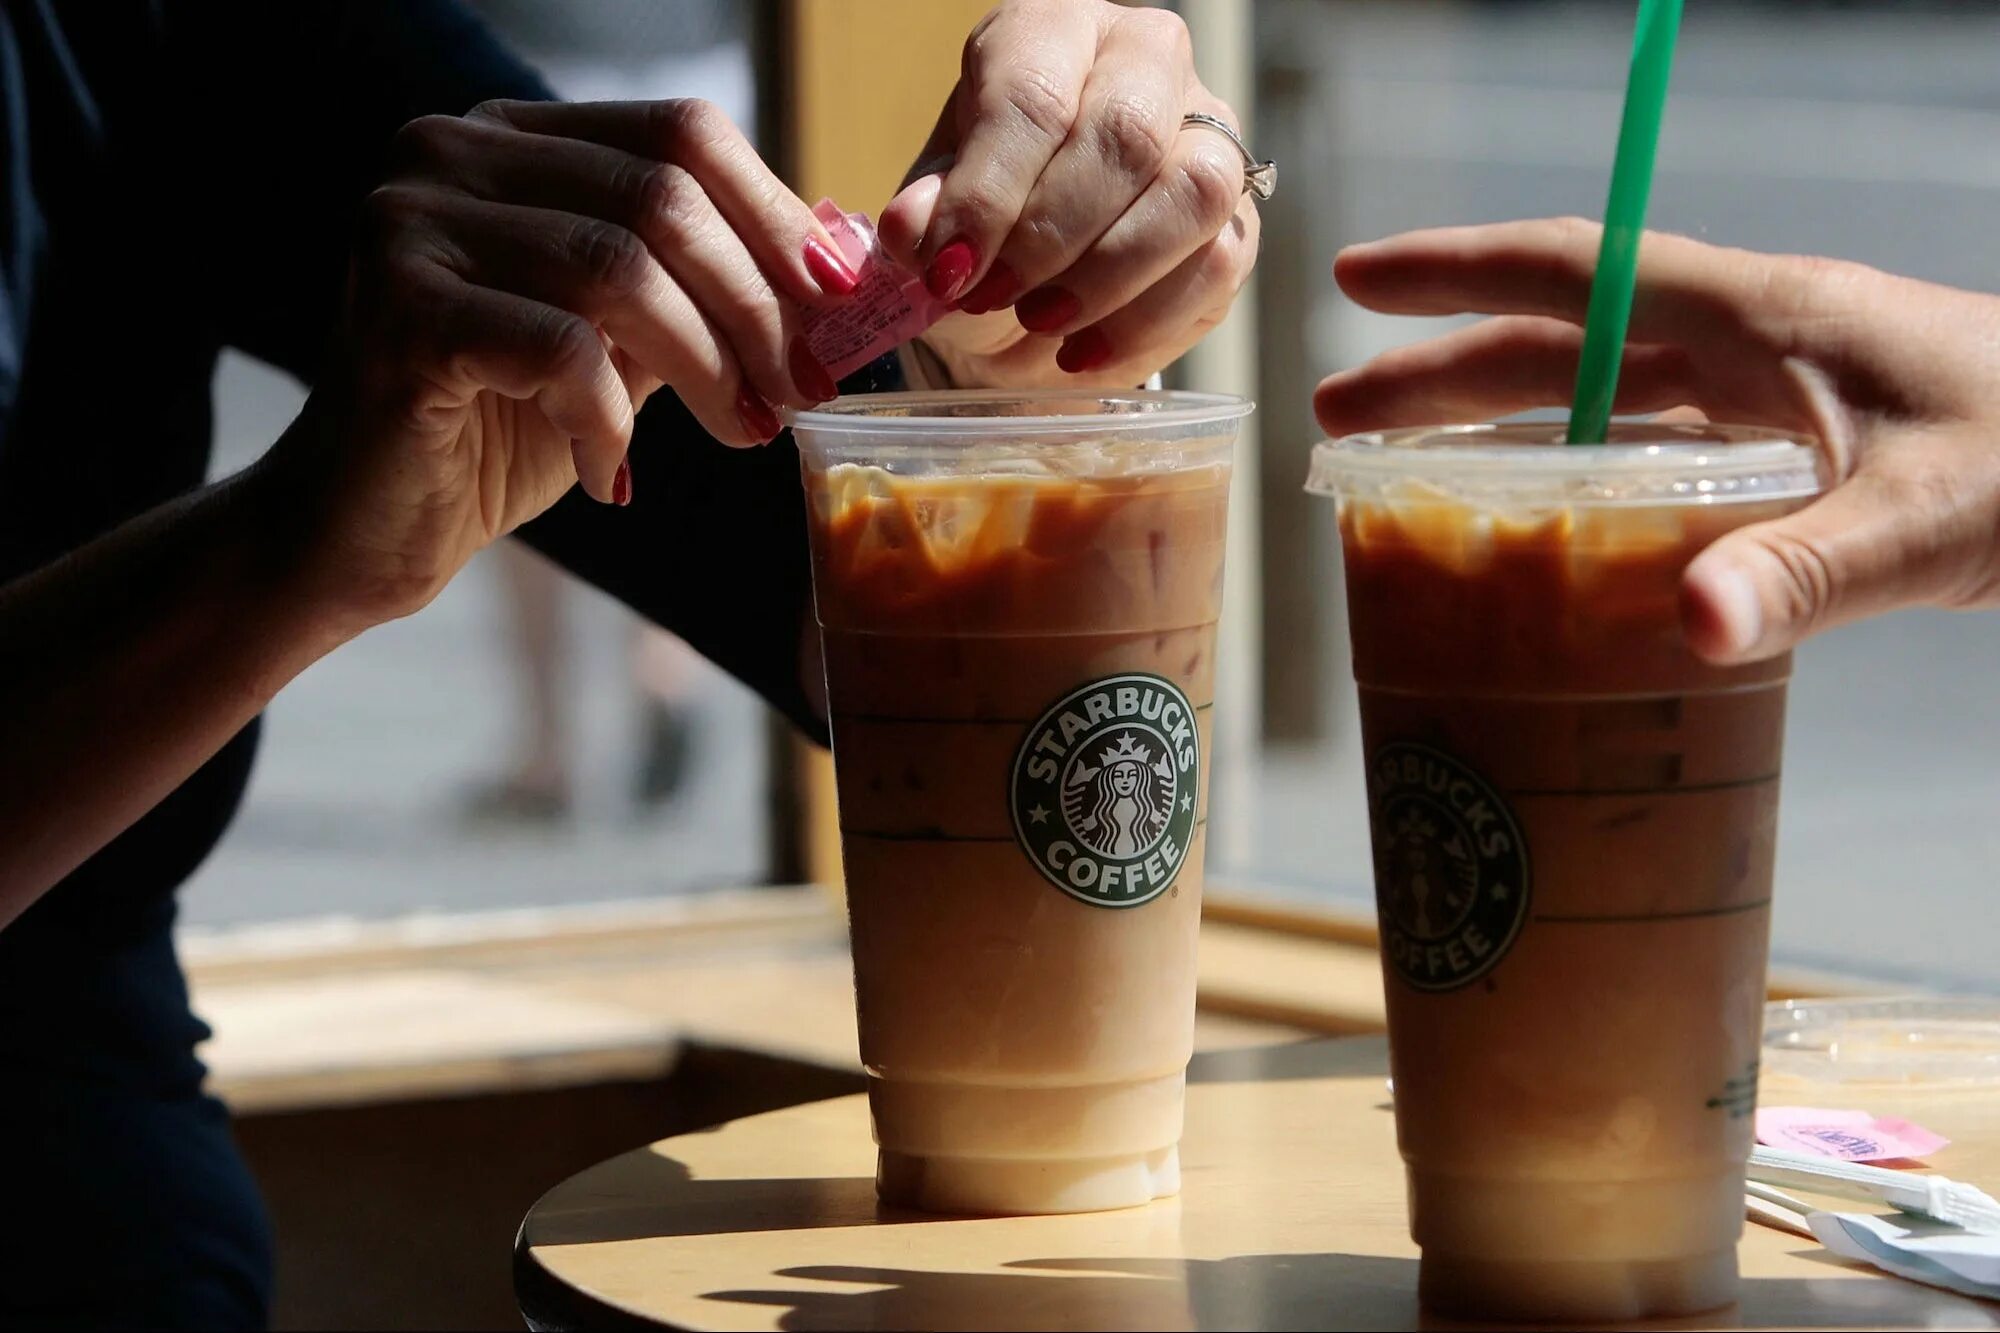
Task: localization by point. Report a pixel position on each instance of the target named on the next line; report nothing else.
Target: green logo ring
(1104, 788)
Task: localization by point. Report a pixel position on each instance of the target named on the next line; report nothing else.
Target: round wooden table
(1291, 1216)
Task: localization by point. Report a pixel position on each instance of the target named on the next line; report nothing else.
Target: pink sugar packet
(1850, 1136)
(889, 306)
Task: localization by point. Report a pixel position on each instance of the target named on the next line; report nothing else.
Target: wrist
(300, 597)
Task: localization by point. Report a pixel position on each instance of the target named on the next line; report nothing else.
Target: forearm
(126, 664)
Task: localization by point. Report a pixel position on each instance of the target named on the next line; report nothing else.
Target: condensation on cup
(1574, 822)
(1017, 597)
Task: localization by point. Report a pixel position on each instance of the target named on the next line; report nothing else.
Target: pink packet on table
(887, 307)
(1850, 1136)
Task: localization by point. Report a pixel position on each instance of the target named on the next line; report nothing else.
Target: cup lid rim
(872, 412)
(1538, 445)
(1519, 457)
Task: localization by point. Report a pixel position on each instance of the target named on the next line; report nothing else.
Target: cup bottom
(1588, 1290)
(1026, 1186)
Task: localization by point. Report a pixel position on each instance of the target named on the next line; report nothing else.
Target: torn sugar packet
(887, 307)
(1848, 1136)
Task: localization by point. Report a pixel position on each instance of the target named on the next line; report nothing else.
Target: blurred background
(522, 744)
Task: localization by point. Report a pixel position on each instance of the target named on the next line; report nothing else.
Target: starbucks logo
(1103, 789)
(1451, 867)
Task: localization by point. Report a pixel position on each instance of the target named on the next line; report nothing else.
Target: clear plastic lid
(1521, 464)
(1059, 432)
(1933, 1042)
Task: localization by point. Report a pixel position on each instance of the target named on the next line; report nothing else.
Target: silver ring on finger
(1260, 179)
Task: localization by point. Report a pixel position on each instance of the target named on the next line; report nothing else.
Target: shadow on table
(1357, 1057)
(646, 1194)
(1269, 1291)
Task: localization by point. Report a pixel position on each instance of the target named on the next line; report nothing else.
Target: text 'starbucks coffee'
(1104, 788)
(1573, 822)
(1017, 598)
(1451, 867)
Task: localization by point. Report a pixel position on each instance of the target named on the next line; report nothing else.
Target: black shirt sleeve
(712, 547)
(738, 586)
(307, 94)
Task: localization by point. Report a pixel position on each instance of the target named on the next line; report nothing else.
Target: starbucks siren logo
(1103, 789)
(1451, 867)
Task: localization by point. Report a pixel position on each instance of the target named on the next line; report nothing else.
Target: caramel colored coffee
(1574, 822)
(1020, 667)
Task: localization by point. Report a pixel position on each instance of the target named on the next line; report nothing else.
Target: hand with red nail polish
(809, 375)
(1060, 183)
(1047, 309)
(1899, 380)
(951, 270)
(828, 269)
(758, 419)
(995, 291)
(524, 284)
(524, 279)
(1084, 351)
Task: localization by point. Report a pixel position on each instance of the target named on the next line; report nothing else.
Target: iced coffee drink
(1573, 822)
(1018, 598)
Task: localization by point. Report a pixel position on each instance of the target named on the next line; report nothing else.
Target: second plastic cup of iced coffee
(1017, 597)
(1574, 821)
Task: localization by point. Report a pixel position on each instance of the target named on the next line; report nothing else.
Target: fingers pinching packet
(888, 306)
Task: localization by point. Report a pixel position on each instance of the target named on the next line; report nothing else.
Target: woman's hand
(1060, 183)
(1899, 379)
(527, 276)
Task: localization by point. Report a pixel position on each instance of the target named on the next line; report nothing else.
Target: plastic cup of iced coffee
(1573, 821)
(1017, 596)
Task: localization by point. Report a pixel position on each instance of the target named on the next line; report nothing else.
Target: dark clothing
(176, 177)
(129, 1206)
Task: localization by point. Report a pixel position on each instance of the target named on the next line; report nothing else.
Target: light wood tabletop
(1291, 1216)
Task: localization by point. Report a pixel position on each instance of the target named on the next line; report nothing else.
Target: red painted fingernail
(946, 277)
(809, 374)
(1000, 286)
(756, 415)
(1046, 309)
(621, 484)
(1086, 349)
(828, 269)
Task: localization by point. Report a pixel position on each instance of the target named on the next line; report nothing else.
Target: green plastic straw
(1610, 312)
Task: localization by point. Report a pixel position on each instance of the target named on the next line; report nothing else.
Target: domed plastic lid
(1914, 1041)
(1060, 432)
(1526, 464)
